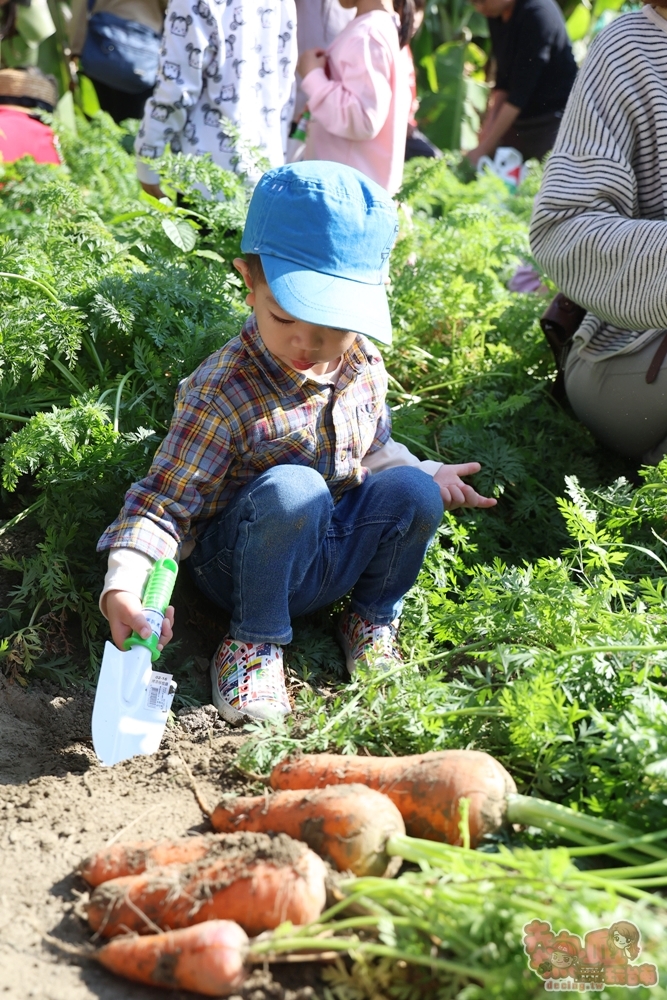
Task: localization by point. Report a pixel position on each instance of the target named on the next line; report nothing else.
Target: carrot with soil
(347, 825)
(256, 880)
(208, 958)
(135, 857)
(426, 788)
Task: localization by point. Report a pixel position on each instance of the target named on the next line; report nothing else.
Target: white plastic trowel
(132, 700)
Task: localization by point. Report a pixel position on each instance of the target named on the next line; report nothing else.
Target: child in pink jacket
(358, 92)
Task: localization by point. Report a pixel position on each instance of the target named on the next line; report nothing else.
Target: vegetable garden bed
(538, 629)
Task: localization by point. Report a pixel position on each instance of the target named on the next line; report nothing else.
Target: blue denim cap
(324, 233)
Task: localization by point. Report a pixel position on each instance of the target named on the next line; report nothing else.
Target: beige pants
(613, 399)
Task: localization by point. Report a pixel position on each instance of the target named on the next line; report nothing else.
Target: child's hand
(309, 60)
(125, 614)
(454, 492)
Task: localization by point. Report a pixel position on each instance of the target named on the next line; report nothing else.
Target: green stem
(646, 882)
(92, 351)
(429, 452)
(629, 648)
(50, 292)
(620, 889)
(68, 375)
(280, 945)
(532, 812)
(119, 393)
(15, 416)
(24, 513)
(591, 847)
(646, 838)
(637, 871)
(126, 217)
(490, 712)
(465, 380)
(432, 657)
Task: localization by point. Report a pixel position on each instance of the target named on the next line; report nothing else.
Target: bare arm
(496, 101)
(504, 119)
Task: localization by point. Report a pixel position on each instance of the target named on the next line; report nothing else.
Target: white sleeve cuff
(128, 570)
(392, 454)
(145, 174)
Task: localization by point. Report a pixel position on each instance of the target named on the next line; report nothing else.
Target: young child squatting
(278, 482)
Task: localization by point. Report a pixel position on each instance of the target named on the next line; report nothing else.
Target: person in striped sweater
(599, 230)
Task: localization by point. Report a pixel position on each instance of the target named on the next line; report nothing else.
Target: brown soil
(58, 805)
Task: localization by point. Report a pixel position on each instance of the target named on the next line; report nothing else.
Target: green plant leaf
(210, 255)
(578, 22)
(181, 233)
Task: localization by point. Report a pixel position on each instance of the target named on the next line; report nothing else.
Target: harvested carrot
(135, 857)
(256, 880)
(207, 959)
(426, 788)
(347, 825)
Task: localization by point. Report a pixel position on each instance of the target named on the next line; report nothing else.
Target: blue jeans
(281, 548)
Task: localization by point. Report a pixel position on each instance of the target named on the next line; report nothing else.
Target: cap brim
(327, 300)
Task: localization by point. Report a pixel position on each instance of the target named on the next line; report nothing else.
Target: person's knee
(289, 492)
(416, 492)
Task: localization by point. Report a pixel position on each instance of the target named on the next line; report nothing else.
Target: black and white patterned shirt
(599, 225)
(222, 61)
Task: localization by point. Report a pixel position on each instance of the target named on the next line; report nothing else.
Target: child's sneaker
(362, 641)
(248, 680)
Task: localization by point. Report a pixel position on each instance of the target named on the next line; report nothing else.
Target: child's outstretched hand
(125, 614)
(309, 60)
(454, 492)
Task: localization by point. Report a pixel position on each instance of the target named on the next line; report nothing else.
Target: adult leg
(614, 400)
(254, 558)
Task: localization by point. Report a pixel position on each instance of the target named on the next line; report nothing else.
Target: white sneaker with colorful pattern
(248, 680)
(364, 642)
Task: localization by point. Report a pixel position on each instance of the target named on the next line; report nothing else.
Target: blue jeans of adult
(281, 548)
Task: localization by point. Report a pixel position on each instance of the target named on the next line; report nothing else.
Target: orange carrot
(256, 880)
(347, 825)
(426, 788)
(208, 958)
(136, 856)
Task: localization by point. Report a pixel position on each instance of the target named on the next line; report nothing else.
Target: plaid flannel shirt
(240, 413)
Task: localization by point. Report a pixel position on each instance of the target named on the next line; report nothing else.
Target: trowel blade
(126, 719)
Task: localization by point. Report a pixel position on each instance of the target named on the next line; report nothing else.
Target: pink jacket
(360, 105)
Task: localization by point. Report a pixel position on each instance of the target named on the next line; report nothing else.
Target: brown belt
(658, 358)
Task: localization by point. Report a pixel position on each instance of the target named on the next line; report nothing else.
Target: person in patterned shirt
(221, 65)
(278, 481)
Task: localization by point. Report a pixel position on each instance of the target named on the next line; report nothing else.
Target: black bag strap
(560, 321)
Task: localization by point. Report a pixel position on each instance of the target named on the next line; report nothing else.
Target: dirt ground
(57, 805)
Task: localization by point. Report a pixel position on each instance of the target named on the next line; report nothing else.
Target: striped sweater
(599, 225)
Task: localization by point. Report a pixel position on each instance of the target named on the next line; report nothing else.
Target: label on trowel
(154, 619)
(160, 692)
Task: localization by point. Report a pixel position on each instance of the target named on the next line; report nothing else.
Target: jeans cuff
(244, 635)
(373, 616)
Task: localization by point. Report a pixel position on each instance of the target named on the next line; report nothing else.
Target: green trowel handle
(157, 595)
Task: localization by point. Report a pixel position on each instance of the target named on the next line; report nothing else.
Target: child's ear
(241, 266)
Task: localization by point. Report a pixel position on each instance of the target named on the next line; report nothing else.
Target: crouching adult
(599, 229)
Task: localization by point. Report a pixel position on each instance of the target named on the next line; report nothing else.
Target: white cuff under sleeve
(127, 570)
(145, 174)
(392, 454)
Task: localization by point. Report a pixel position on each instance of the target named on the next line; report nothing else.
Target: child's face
(299, 345)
